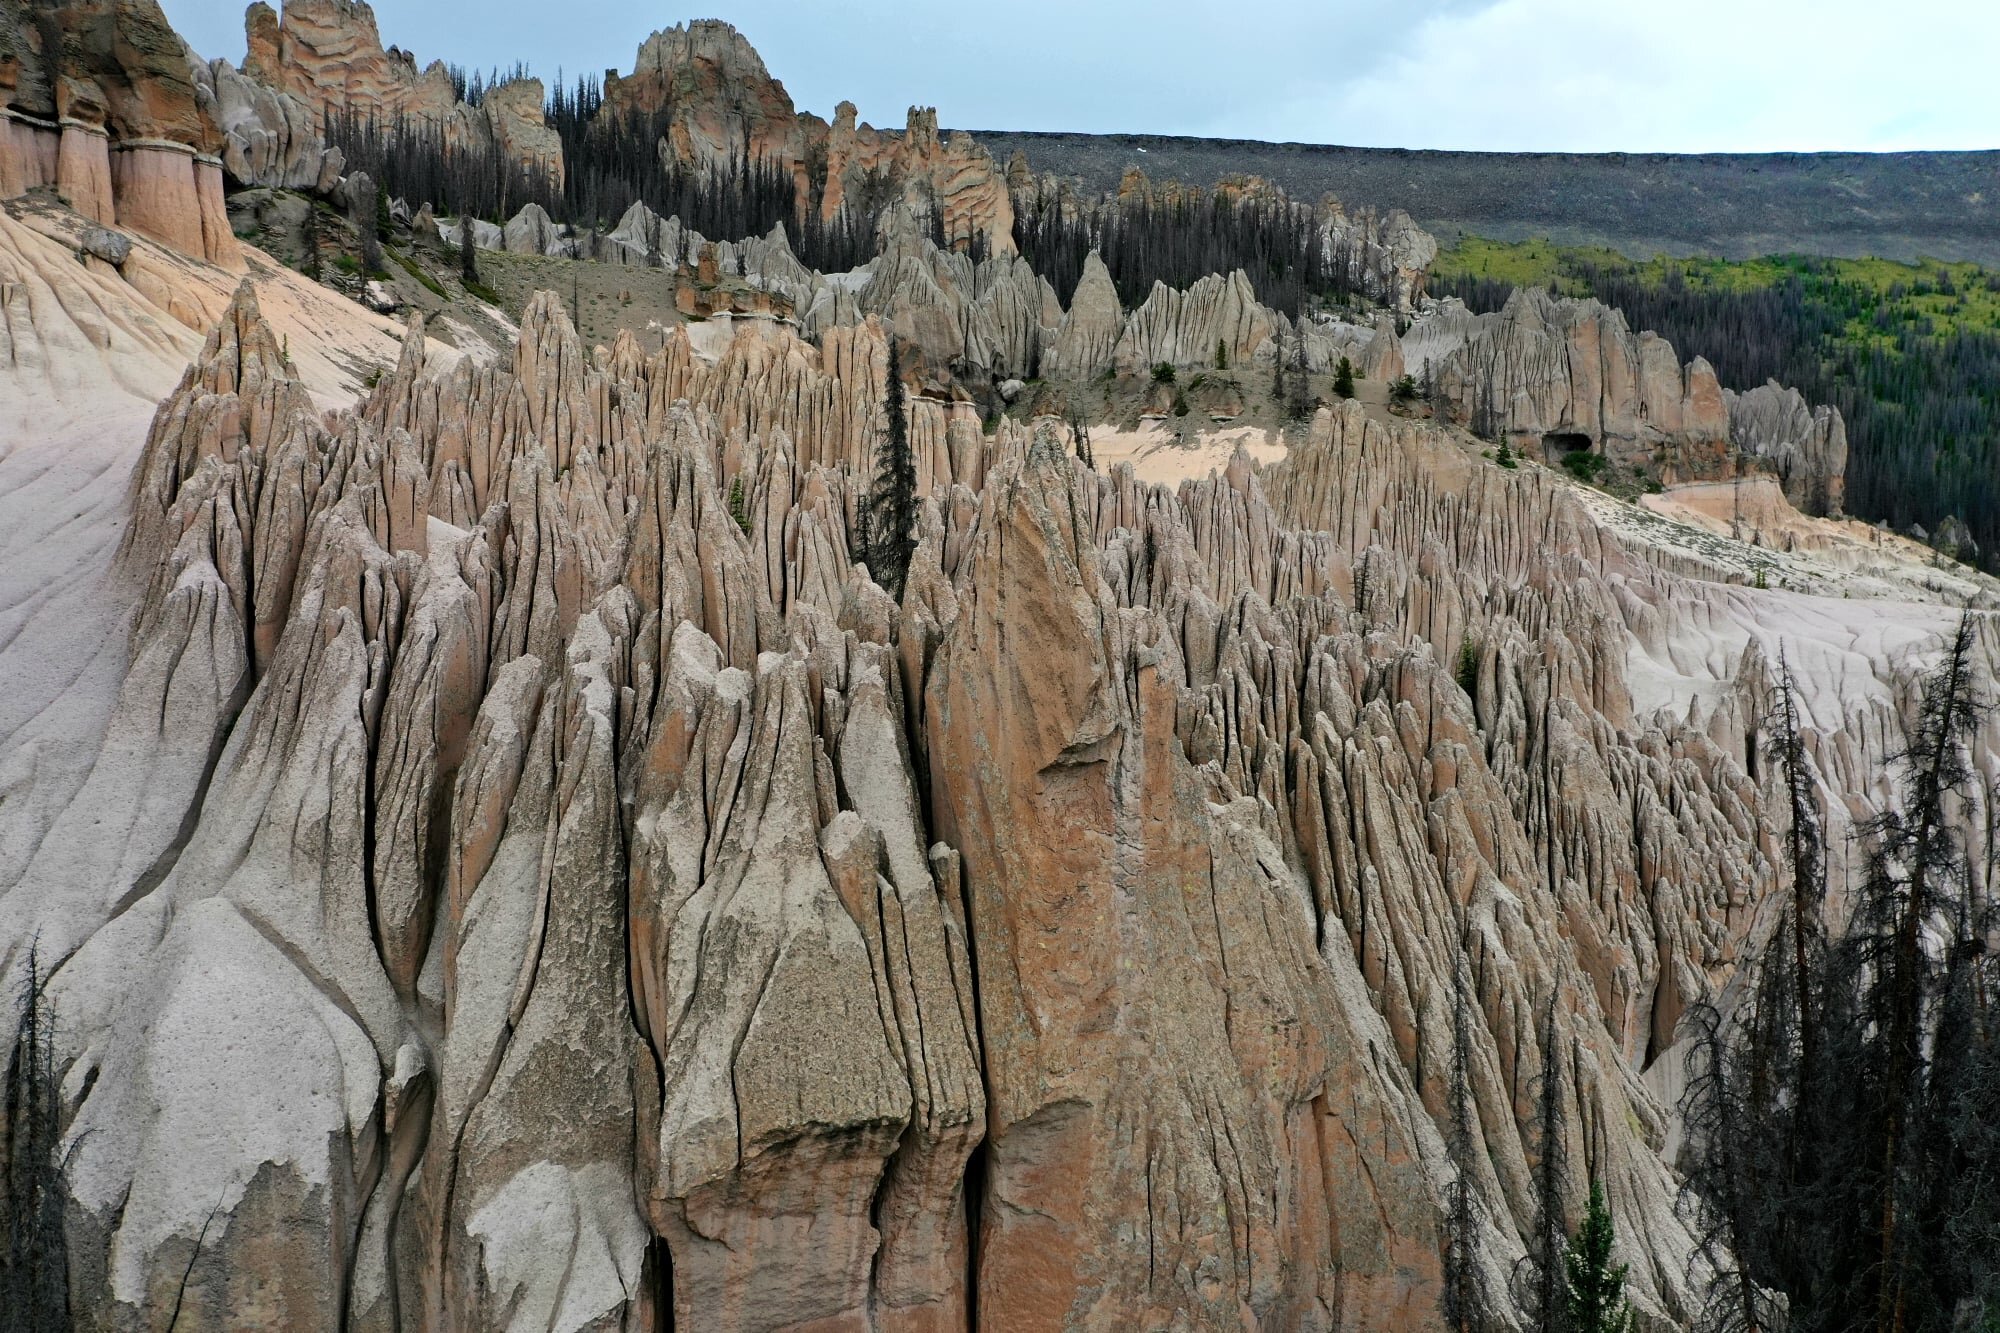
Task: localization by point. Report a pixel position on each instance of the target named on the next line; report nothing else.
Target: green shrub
(1163, 373)
(1180, 405)
(1343, 378)
(1584, 465)
(409, 266)
(1404, 390)
(1505, 458)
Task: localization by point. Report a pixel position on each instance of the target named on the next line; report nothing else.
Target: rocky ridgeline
(530, 874)
(1553, 374)
(725, 105)
(137, 132)
(1549, 374)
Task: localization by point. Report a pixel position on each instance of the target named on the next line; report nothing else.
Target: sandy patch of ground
(1157, 453)
(1753, 535)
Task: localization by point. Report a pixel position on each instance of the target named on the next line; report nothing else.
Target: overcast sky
(1579, 75)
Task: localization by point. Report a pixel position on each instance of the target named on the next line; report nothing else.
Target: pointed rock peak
(546, 334)
(241, 349)
(712, 41)
(921, 130)
(413, 342)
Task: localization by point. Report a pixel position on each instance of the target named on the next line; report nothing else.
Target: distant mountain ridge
(1935, 205)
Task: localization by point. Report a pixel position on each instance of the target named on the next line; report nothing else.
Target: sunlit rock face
(526, 869)
(97, 103)
(504, 862)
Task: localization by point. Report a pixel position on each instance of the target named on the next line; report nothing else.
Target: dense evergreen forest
(1278, 244)
(1910, 355)
(611, 162)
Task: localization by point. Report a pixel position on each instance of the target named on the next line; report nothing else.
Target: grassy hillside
(1910, 353)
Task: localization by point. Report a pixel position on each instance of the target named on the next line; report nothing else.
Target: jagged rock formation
(323, 58)
(600, 900)
(269, 137)
(1087, 339)
(1807, 446)
(96, 103)
(1388, 254)
(1555, 373)
(724, 102)
(329, 55)
(1184, 328)
(996, 314)
(725, 105)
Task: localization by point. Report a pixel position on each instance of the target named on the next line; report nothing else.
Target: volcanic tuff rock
(269, 137)
(329, 55)
(1184, 327)
(725, 105)
(96, 101)
(325, 57)
(1806, 445)
(1555, 373)
(597, 906)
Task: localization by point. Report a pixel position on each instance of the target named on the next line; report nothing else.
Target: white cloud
(1549, 75)
(1703, 75)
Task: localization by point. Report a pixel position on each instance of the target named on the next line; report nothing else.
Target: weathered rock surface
(96, 101)
(269, 137)
(602, 904)
(1554, 373)
(1806, 446)
(1184, 328)
(726, 106)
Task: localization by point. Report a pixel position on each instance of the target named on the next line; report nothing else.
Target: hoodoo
(1353, 791)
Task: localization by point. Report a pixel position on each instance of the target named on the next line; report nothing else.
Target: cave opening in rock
(1557, 443)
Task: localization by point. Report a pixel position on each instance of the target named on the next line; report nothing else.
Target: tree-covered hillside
(1909, 353)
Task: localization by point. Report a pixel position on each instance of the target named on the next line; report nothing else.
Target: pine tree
(1343, 378)
(312, 265)
(1538, 1278)
(468, 262)
(1594, 1297)
(1301, 405)
(892, 505)
(1080, 432)
(1463, 1297)
(367, 200)
(34, 1266)
(1805, 850)
(1839, 1139)
(1916, 883)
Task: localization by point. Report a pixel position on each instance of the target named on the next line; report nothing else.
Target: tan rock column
(27, 153)
(218, 242)
(83, 171)
(154, 185)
